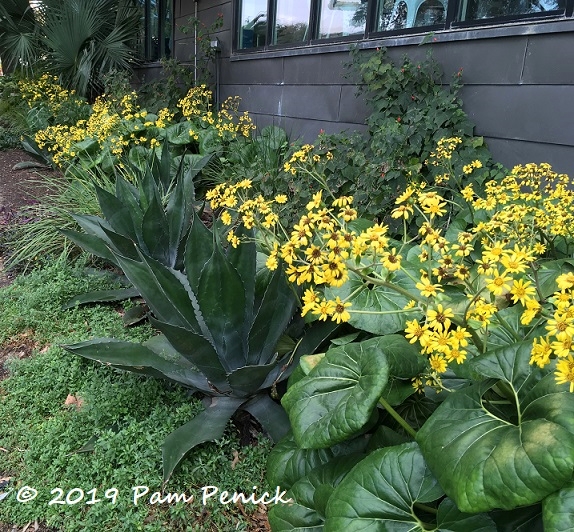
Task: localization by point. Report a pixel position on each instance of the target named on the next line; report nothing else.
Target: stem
(425, 508)
(397, 417)
(507, 327)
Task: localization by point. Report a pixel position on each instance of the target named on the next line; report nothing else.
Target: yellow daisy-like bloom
(456, 354)
(340, 312)
(405, 195)
(343, 201)
(439, 318)
(272, 263)
(438, 363)
(281, 199)
(402, 211)
(415, 331)
(565, 281)
(391, 260)
(310, 300)
(427, 289)
(226, 218)
(324, 309)
(541, 351)
(315, 203)
(499, 283)
(565, 372)
(521, 291)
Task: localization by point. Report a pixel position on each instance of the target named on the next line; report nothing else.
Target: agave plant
(220, 322)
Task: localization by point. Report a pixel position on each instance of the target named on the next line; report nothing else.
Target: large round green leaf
(310, 496)
(380, 492)
(380, 304)
(339, 395)
(558, 510)
(484, 462)
(287, 462)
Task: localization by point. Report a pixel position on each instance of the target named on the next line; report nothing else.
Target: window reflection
(339, 18)
(482, 9)
(397, 15)
(292, 21)
(253, 26)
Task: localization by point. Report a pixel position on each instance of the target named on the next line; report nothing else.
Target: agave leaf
(129, 196)
(162, 289)
(198, 350)
(177, 216)
(206, 426)
(155, 232)
(132, 356)
(116, 213)
(221, 299)
(198, 251)
(244, 260)
(270, 415)
(91, 243)
(273, 316)
(249, 379)
(102, 296)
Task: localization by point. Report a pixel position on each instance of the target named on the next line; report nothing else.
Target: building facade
(286, 60)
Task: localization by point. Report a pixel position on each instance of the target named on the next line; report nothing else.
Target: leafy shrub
(457, 366)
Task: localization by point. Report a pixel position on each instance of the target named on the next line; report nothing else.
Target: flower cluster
(458, 279)
(48, 91)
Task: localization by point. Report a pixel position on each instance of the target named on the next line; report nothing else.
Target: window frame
(370, 32)
(146, 53)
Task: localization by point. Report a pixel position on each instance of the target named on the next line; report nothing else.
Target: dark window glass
(252, 23)
(291, 21)
(484, 9)
(339, 18)
(154, 40)
(401, 14)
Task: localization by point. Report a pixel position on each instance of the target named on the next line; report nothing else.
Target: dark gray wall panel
(485, 61)
(259, 99)
(550, 60)
(538, 113)
(315, 102)
(255, 72)
(511, 153)
(315, 69)
(353, 107)
(307, 130)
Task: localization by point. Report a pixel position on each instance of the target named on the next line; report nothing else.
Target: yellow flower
(427, 289)
(521, 291)
(340, 312)
(439, 318)
(226, 218)
(281, 199)
(565, 372)
(499, 283)
(438, 363)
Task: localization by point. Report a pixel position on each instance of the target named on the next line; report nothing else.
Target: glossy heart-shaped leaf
(379, 493)
(379, 305)
(338, 396)
(310, 496)
(484, 462)
(558, 510)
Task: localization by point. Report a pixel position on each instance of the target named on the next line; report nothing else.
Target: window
(265, 24)
(155, 32)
